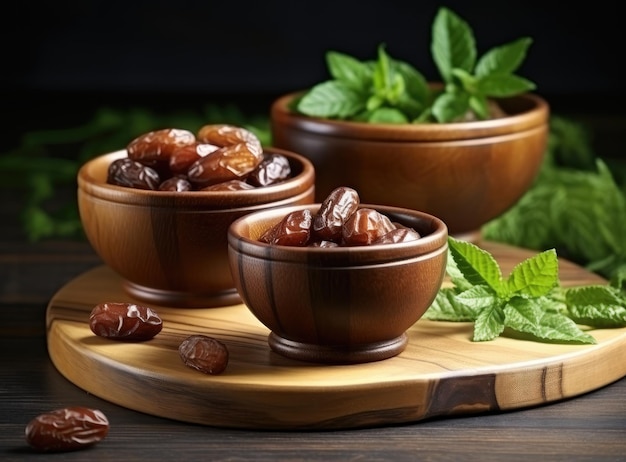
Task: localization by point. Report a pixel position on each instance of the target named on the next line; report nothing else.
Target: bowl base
(182, 299)
(365, 353)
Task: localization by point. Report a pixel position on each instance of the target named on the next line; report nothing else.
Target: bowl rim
(425, 246)
(299, 185)
(529, 119)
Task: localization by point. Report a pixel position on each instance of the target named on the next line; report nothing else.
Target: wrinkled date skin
(125, 321)
(333, 213)
(339, 222)
(131, 174)
(176, 183)
(176, 160)
(67, 429)
(294, 230)
(227, 163)
(272, 169)
(240, 152)
(365, 226)
(205, 354)
(157, 147)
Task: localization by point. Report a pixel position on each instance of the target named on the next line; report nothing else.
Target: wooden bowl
(342, 304)
(170, 247)
(464, 173)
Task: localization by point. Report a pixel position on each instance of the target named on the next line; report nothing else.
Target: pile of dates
(220, 157)
(339, 222)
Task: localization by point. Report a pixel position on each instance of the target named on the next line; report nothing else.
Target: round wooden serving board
(442, 372)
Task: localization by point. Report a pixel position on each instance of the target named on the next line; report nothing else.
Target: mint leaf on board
(596, 306)
(489, 324)
(530, 302)
(551, 328)
(535, 276)
(447, 307)
(477, 266)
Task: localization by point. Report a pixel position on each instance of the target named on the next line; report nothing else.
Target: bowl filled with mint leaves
(464, 146)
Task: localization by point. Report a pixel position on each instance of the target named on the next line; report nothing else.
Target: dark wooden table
(588, 427)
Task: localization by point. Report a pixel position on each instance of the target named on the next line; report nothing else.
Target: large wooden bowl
(338, 304)
(465, 173)
(170, 247)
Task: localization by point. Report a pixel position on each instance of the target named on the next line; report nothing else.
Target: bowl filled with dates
(340, 281)
(158, 212)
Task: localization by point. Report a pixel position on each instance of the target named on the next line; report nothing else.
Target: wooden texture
(440, 373)
(464, 173)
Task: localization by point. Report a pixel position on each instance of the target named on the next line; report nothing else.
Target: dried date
(223, 135)
(228, 163)
(365, 226)
(157, 146)
(131, 174)
(205, 354)
(125, 321)
(184, 157)
(273, 169)
(176, 183)
(67, 429)
(294, 230)
(397, 235)
(336, 208)
(339, 222)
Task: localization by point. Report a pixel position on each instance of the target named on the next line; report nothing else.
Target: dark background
(67, 57)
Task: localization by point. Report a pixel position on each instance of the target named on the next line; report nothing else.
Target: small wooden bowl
(342, 304)
(464, 173)
(170, 247)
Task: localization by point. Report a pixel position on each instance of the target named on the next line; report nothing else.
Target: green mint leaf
(331, 99)
(374, 102)
(503, 85)
(352, 72)
(478, 297)
(446, 307)
(468, 81)
(535, 276)
(415, 83)
(453, 44)
(550, 327)
(450, 107)
(456, 276)
(480, 106)
(383, 75)
(477, 265)
(489, 324)
(387, 115)
(409, 106)
(597, 306)
(522, 314)
(504, 59)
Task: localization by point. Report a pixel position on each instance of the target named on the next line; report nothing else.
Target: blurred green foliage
(46, 162)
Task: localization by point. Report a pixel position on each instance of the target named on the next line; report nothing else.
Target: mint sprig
(392, 91)
(530, 302)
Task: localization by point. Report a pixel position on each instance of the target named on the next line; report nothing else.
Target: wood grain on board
(441, 372)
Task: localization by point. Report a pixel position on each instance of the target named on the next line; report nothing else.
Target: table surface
(588, 427)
